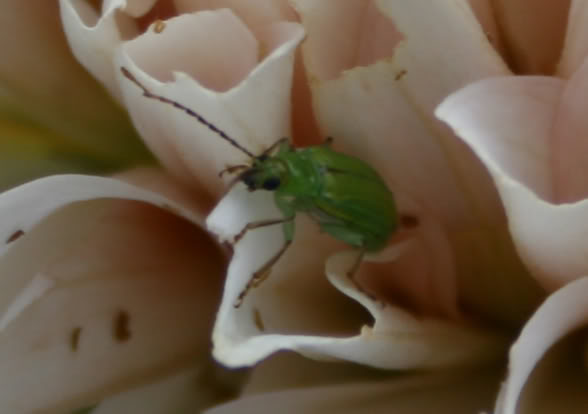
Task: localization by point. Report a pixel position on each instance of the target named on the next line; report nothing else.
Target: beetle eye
(248, 180)
(271, 183)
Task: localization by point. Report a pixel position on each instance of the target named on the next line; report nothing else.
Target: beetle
(344, 195)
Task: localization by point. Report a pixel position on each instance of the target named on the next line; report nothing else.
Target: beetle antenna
(233, 168)
(147, 93)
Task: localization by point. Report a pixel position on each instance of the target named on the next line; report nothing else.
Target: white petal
(89, 286)
(444, 49)
(304, 372)
(296, 309)
(255, 112)
(188, 391)
(458, 394)
(511, 123)
(94, 38)
(542, 383)
(576, 46)
(383, 113)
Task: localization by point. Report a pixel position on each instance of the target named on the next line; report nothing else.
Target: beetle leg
(261, 223)
(261, 274)
(351, 275)
(276, 144)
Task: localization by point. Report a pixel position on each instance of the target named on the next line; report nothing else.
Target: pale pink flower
(531, 133)
(125, 282)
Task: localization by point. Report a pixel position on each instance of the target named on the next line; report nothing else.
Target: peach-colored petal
(296, 309)
(396, 98)
(383, 113)
(187, 391)
(576, 40)
(533, 33)
(343, 35)
(511, 123)
(484, 11)
(547, 374)
(304, 372)
(454, 393)
(93, 38)
(220, 55)
(569, 146)
(133, 8)
(255, 112)
(255, 13)
(106, 279)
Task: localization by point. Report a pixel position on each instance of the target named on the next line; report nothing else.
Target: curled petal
(368, 36)
(396, 98)
(106, 274)
(254, 110)
(521, 128)
(384, 114)
(93, 38)
(296, 309)
(546, 370)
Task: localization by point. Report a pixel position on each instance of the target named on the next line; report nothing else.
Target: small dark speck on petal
(228, 246)
(409, 222)
(257, 320)
(16, 235)
(120, 326)
(400, 74)
(74, 338)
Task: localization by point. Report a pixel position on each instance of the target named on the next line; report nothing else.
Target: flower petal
(296, 309)
(255, 112)
(95, 302)
(427, 65)
(303, 372)
(519, 127)
(187, 391)
(383, 114)
(94, 38)
(533, 38)
(575, 47)
(484, 11)
(255, 13)
(409, 395)
(368, 36)
(539, 381)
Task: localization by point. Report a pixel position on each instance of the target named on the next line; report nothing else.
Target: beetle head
(266, 173)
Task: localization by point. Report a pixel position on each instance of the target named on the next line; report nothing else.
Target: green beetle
(346, 197)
